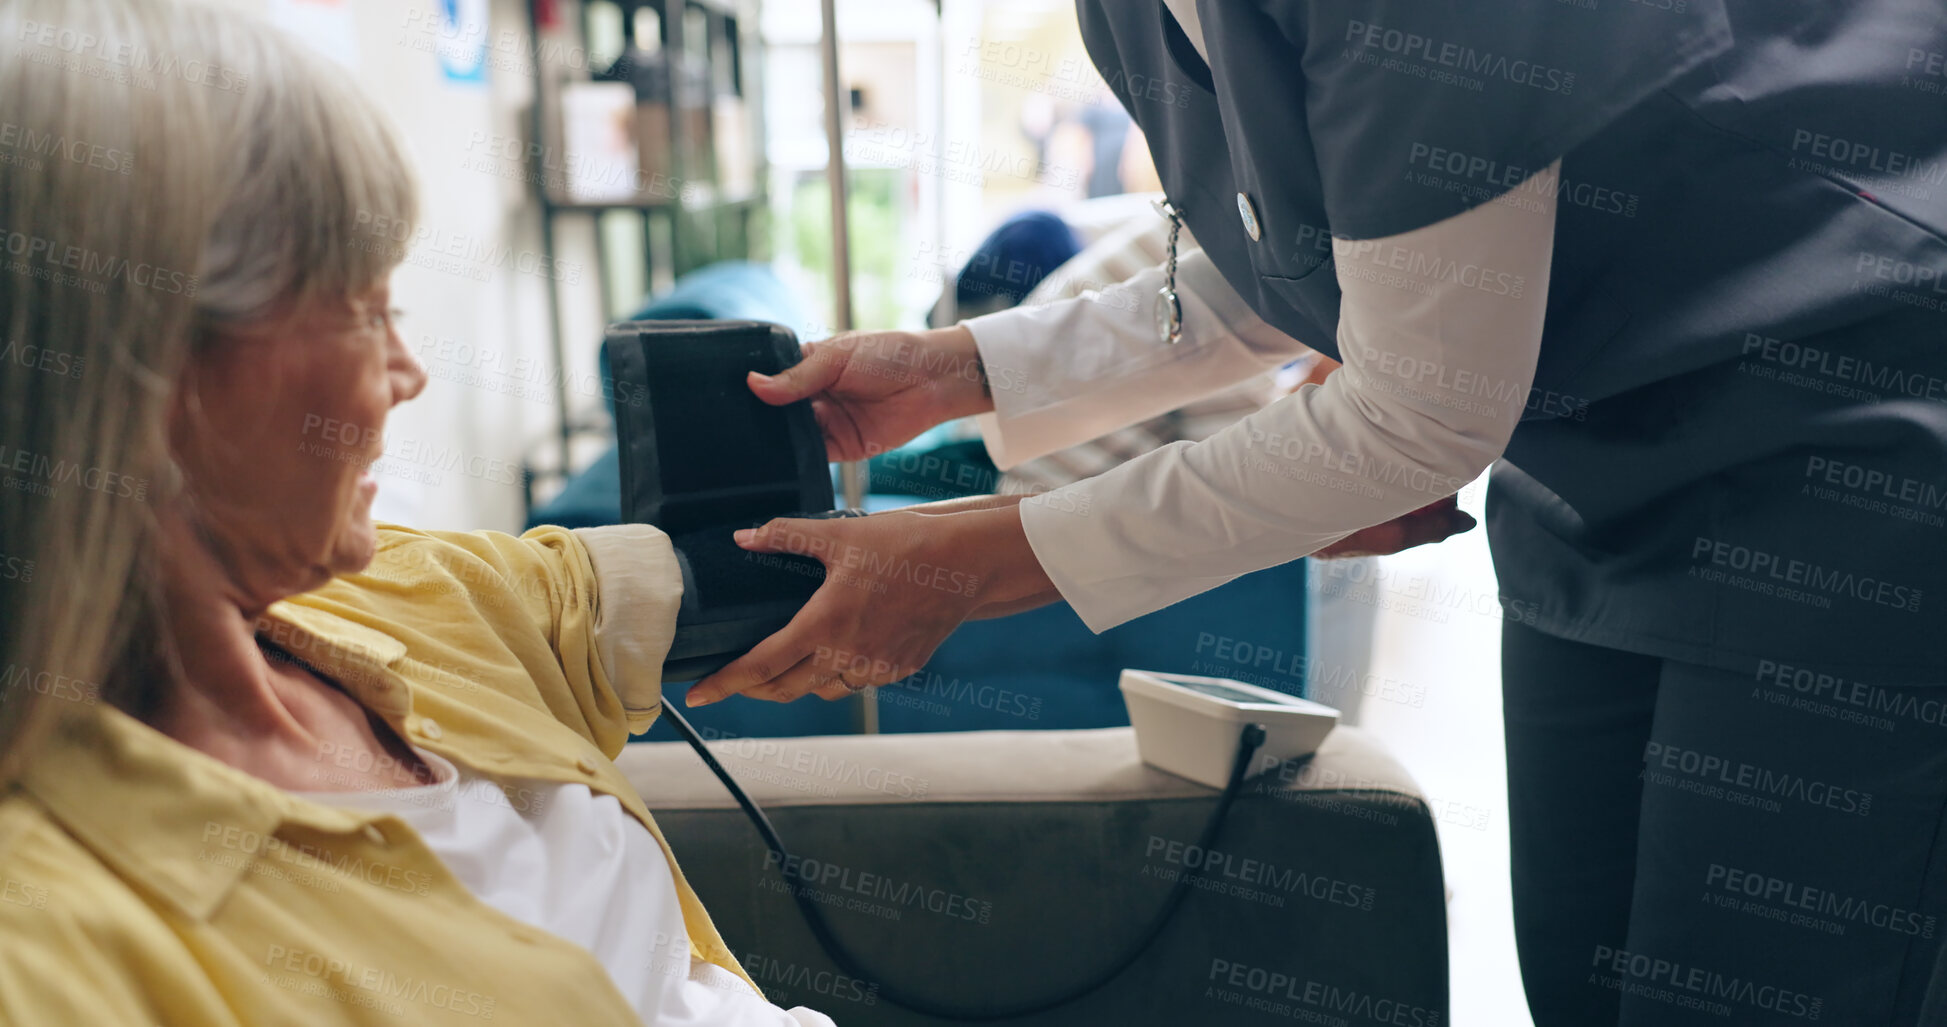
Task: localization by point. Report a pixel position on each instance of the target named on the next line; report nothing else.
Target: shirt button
(1249, 214)
(373, 834)
(430, 729)
(586, 766)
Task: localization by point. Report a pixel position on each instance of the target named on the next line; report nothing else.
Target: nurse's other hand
(896, 584)
(872, 391)
(1434, 522)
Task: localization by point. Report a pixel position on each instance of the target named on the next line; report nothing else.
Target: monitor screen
(1225, 692)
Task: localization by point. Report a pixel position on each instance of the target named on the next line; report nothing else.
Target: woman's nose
(408, 374)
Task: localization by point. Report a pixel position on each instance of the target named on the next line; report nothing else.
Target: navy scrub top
(1735, 452)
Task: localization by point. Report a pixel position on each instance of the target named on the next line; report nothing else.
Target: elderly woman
(264, 761)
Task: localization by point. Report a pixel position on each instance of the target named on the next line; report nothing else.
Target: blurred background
(586, 161)
(578, 157)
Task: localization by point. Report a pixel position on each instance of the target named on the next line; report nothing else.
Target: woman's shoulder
(411, 553)
(67, 918)
(482, 569)
(54, 890)
(483, 612)
(31, 841)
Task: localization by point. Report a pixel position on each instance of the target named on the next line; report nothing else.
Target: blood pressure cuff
(701, 457)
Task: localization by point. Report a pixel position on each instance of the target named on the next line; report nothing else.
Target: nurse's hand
(872, 391)
(896, 584)
(1434, 522)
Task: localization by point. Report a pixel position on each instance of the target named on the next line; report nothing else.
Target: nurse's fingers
(809, 677)
(770, 660)
(1434, 522)
(784, 687)
(799, 536)
(1320, 370)
(823, 365)
(836, 692)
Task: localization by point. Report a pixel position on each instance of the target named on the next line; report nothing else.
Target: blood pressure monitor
(1190, 726)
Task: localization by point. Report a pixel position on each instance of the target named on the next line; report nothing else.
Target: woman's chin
(352, 551)
(358, 540)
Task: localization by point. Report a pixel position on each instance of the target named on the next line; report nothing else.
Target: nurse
(1677, 272)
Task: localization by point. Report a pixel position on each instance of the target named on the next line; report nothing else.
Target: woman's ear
(183, 418)
(193, 418)
(222, 385)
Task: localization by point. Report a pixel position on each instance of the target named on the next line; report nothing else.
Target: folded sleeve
(577, 622)
(1421, 109)
(640, 589)
(1440, 330)
(1076, 369)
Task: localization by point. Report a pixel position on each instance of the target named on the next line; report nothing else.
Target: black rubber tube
(845, 960)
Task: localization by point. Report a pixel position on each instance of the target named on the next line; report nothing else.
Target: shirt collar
(357, 654)
(180, 824)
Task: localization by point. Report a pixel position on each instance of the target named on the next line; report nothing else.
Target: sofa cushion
(991, 868)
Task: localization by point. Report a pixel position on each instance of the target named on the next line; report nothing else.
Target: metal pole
(837, 105)
(557, 352)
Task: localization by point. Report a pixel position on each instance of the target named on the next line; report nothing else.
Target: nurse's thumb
(818, 371)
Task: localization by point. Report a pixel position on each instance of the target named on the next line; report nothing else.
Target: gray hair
(167, 170)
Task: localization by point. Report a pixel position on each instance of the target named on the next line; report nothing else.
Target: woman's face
(276, 429)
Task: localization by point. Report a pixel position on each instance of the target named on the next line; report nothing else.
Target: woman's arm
(588, 614)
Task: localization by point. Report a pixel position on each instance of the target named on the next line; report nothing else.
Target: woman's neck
(226, 697)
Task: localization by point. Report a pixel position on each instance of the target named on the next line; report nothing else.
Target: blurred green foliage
(877, 225)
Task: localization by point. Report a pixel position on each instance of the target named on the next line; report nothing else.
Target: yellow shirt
(143, 882)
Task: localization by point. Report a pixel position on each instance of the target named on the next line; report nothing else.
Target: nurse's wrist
(1009, 575)
(962, 376)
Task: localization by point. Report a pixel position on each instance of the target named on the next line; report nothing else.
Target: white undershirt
(1439, 329)
(1185, 12)
(576, 864)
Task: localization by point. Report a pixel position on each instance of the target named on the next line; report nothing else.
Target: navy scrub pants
(1694, 846)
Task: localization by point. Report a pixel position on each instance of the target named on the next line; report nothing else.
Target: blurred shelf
(701, 62)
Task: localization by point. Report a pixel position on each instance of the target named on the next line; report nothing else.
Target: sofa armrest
(991, 868)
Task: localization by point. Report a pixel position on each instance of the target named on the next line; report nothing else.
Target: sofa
(989, 868)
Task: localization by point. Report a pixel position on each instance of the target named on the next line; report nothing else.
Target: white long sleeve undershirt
(1439, 331)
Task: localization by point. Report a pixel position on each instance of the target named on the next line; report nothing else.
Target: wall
(474, 284)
